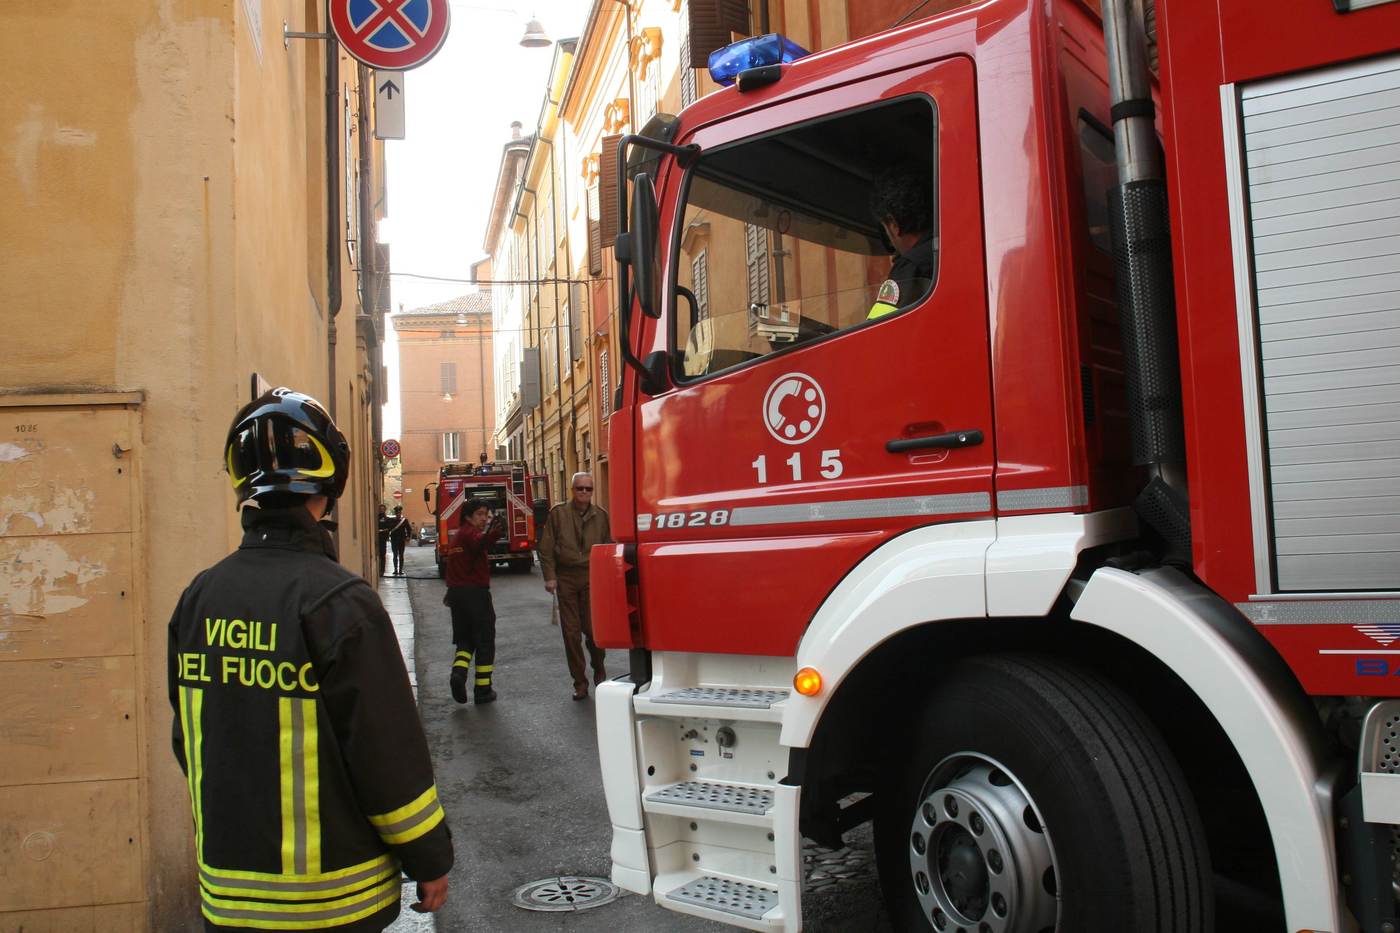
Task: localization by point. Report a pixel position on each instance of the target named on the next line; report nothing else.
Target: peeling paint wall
(73, 836)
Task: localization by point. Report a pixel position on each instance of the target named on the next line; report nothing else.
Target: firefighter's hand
(431, 896)
(551, 585)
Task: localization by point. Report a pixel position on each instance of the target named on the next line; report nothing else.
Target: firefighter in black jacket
(295, 724)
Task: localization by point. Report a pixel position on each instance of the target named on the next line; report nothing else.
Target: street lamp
(535, 37)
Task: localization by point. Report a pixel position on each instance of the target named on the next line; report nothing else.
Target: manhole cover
(566, 892)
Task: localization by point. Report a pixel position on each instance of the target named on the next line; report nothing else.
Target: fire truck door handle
(948, 439)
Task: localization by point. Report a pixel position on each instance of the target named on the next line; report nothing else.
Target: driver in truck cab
(902, 202)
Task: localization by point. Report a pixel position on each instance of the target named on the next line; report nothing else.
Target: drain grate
(731, 897)
(723, 696)
(564, 892)
(713, 796)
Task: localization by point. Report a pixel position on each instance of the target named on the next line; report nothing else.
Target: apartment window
(449, 379)
(451, 446)
(587, 450)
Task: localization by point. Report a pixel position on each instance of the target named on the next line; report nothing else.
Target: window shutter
(578, 310)
(607, 191)
(604, 384)
(449, 378)
(711, 23)
(689, 85)
(700, 285)
(382, 300)
(756, 252)
(530, 378)
(595, 234)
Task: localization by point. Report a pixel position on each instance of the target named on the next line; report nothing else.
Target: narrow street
(520, 781)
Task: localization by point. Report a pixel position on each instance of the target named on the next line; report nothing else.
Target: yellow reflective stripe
(419, 828)
(483, 681)
(318, 916)
(300, 887)
(879, 309)
(327, 467)
(462, 664)
(411, 809)
(191, 717)
(285, 768)
(231, 874)
(464, 654)
(485, 668)
(311, 786)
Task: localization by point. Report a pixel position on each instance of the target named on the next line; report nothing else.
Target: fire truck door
(827, 395)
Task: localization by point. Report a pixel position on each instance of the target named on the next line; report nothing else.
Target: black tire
(522, 565)
(1124, 836)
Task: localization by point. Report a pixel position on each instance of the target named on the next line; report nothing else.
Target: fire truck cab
(510, 489)
(1079, 543)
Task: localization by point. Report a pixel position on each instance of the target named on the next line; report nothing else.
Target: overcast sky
(458, 111)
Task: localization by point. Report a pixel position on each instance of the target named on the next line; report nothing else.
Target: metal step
(741, 697)
(750, 901)
(714, 795)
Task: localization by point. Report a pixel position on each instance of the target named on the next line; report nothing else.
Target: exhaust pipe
(1146, 301)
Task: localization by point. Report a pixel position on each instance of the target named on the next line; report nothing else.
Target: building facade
(446, 392)
(509, 296)
(191, 219)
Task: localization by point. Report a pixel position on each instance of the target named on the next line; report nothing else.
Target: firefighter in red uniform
(295, 724)
(469, 598)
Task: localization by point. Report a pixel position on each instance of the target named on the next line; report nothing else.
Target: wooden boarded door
(72, 834)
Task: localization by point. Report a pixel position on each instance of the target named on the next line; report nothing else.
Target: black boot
(460, 665)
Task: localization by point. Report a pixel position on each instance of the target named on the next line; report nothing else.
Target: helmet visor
(277, 447)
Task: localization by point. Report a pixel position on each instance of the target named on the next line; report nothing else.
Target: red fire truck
(1076, 572)
(510, 489)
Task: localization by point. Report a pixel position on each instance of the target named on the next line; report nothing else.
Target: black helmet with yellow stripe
(285, 443)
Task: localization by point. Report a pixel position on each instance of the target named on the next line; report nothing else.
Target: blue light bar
(772, 49)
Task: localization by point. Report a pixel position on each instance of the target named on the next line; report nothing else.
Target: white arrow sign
(388, 105)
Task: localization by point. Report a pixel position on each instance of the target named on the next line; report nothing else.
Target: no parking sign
(391, 35)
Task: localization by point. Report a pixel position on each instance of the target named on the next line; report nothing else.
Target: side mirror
(541, 510)
(427, 497)
(643, 227)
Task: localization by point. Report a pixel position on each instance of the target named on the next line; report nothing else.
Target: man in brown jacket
(569, 534)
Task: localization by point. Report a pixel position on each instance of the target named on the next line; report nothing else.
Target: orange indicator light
(808, 682)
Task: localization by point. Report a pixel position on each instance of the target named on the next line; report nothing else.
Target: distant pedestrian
(569, 534)
(399, 533)
(385, 523)
(469, 598)
(295, 724)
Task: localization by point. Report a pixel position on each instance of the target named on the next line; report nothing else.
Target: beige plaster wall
(166, 234)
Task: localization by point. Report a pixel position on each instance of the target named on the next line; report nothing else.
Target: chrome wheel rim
(980, 858)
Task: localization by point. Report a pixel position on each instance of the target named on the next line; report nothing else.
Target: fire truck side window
(781, 243)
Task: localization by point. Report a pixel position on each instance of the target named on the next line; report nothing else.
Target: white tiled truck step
(711, 795)
(750, 901)
(742, 697)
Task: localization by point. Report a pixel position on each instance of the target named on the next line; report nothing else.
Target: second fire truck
(520, 497)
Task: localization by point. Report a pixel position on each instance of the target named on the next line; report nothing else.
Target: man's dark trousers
(575, 619)
(474, 632)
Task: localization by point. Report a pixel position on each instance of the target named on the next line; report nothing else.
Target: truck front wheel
(1035, 797)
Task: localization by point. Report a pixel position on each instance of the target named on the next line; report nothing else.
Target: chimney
(515, 128)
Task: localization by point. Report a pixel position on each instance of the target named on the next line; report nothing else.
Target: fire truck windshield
(851, 196)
